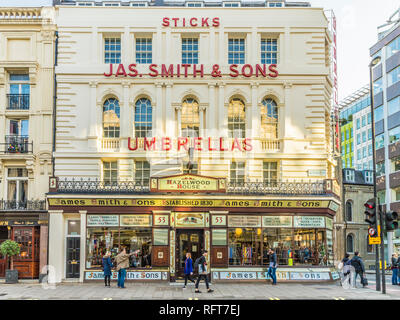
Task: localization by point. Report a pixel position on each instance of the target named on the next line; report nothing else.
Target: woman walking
(188, 268)
(107, 265)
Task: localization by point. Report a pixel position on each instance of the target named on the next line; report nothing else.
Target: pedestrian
(201, 264)
(272, 266)
(359, 267)
(395, 269)
(188, 268)
(122, 260)
(307, 255)
(346, 262)
(107, 265)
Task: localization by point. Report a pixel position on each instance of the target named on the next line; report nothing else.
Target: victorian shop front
(160, 225)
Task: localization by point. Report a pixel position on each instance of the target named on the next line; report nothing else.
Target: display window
(137, 240)
(244, 246)
(28, 240)
(99, 241)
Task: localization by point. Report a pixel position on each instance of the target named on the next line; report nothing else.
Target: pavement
(167, 291)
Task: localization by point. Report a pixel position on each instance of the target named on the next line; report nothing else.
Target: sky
(357, 22)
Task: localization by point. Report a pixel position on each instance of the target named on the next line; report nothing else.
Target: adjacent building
(27, 37)
(386, 81)
(181, 129)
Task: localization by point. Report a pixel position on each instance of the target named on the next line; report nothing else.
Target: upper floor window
(396, 163)
(18, 98)
(236, 51)
(190, 50)
(349, 211)
(358, 138)
(236, 119)
(394, 76)
(17, 186)
(269, 51)
(358, 123)
(144, 50)
(110, 172)
(394, 135)
(378, 114)
(393, 106)
(381, 196)
(275, 4)
(364, 120)
(393, 47)
(111, 4)
(19, 127)
(232, 4)
(85, 4)
(270, 172)
(269, 119)
(111, 116)
(143, 118)
(112, 50)
(190, 119)
(138, 4)
(142, 172)
(194, 4)
(194, 168)
(350, 243)
(378, 86)
(349, 175)
(380, 141)
(369, 176)
(380, 169)
(237, 173)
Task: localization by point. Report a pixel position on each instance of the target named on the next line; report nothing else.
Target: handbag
(364, 281)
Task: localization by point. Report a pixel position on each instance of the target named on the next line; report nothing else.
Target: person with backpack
(107, 265)
(272, 266)
(188, 270)
(346, 268)
(201, 265)
(359, 267)
(395, 269)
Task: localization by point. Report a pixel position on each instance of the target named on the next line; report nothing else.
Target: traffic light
(370, 212)
(391, 221)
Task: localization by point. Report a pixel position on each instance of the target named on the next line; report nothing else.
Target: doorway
(73, 257)
(3, 261)
(188, 240)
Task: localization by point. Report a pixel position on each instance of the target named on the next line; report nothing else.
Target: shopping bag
(364, 281)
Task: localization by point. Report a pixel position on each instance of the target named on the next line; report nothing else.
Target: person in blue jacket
(188, 268)
(107, 265)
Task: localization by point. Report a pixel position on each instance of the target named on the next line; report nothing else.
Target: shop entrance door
(73, 257)
(3, 261)
(188, 240)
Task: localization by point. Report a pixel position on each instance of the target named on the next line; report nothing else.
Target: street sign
(376, 239)
(371, 231)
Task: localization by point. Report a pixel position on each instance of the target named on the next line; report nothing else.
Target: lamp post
(373, 63)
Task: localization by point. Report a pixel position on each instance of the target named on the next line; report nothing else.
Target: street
(162, 291)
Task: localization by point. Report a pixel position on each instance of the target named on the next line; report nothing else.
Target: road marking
(339, 298)
(107, 298)
(273, 298)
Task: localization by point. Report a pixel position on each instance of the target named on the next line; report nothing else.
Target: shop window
(269, 51)
(144, 49)
(142, 172)
(137, 240)
(280, 240)
(28, 240)
(270, 172)
(269, 119)
(112, 50)
(111, 116)
(161, 237)
(309, 246)
(236, 51)
(99, 241)
(237, 173)
(190, 118)
(190, 50)
(3, 237)
(349, 211)
(236, 119)
(17, 187)
(350, 243)
(244, 246)
(110, 172)
(143, 118)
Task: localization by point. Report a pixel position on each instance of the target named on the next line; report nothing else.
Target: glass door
(188, 241)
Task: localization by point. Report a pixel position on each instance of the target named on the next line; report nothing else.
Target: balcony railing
(18, 101)
(31, 205)
(17, 144)
(320, 187)
(110, 144)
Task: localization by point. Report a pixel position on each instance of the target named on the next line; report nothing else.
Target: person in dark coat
(347, 267)
(272, 266)
(395, 269)
(202, 265)
(359, 267)
(188, 268)
(107, 265)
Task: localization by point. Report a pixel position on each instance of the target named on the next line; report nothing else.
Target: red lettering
(247, 144)
(131, 68)
(192, 24)
(154, 72)
(221, 147)
(150, 145)
(186, 66)
(244, 70)
(178, 70)
(166, 144)
(120, 71)
(165, 72)
(129, 144)
(204, 21)
(215, 22)
(274, 73)
(182, 142)
(195, 71)
(165, 22)
(263, 71)
(197, 144)
(209, 145)
(184, 22)
(236, 145)
(111, 71)
(233, 68)
(176, 21)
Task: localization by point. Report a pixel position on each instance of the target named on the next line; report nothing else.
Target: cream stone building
(184, 126)
(27, 37)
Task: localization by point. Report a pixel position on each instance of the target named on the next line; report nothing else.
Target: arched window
(143, 118)
(350, 243)
(236, 119)
(190, 120)
(349, 211)
(269, 119)
(111, 115)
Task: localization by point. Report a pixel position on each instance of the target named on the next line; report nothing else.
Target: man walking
(201, 264)
(395, 269)
(272, 266)
(122, 260)
(359, 267)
